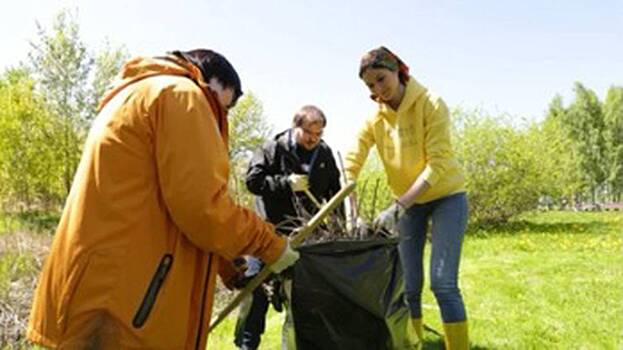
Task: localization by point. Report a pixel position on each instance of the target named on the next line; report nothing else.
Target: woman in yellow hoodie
(411, 131)
(148, 222)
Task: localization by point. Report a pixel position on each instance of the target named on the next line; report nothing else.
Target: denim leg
(412, 229)
(449, 220)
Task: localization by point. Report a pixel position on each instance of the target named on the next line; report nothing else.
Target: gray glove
(388, 218)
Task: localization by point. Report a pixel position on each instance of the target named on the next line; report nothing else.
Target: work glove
(388, 218)
(288, 257)
(298, 182)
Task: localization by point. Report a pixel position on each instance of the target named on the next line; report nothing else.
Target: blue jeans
(449, 220)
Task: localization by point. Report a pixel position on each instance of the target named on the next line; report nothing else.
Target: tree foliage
(584, 123)
(613, 121)
(60, 65)
(558, 157)
(107, 63)
(248, 130)
(248, 127)
(594, 132)
(48, 105)
(27, 162)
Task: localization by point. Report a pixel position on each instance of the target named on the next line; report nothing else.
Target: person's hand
(246, 267)
(288, 257)
(388, 218)
(298, 182)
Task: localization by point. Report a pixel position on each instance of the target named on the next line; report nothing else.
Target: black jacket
(267, 178)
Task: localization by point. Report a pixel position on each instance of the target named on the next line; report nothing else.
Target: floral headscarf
(382, 57)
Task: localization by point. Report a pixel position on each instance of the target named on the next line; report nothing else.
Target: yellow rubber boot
(456, 335)
(419, 331)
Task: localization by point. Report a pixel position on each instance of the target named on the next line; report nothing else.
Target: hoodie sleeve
(358, 153)
(260, 180)
(437, 142)
(193, 168)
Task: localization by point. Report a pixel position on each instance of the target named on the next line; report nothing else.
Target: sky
(503, 57)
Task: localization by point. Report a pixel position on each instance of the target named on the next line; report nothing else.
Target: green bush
(501, 167)
(509, 167)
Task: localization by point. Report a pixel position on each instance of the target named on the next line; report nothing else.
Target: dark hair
(306, 113)
(213, 64)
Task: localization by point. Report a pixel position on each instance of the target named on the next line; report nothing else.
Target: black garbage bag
(349, 295)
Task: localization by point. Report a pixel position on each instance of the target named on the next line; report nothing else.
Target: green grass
(543, 281)
(552, 280)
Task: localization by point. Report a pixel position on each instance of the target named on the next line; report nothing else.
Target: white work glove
(298, 182)
(388, 218)
(288, 257)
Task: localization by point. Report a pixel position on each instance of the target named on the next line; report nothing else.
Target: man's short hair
(309, 113)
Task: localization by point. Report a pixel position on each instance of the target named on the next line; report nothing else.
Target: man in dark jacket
(284, 173)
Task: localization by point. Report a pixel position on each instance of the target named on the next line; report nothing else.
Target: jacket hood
(413, 90)
(140, 68)
(144, 67)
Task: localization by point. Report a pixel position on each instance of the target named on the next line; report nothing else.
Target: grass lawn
(543, 281)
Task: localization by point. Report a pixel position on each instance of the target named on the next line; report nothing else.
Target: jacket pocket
(152, 291)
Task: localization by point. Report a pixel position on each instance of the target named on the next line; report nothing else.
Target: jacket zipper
(203, 302)
(152, 291)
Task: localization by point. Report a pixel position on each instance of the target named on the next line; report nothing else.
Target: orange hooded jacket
(148, 221)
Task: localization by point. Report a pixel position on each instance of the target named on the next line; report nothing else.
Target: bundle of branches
(338, 227)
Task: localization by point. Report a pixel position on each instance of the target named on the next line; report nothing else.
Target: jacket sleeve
(437, 142)
(358, 153)
(193, 168)
(259, 179)
(227, 272)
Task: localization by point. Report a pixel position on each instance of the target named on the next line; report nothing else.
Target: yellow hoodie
(412, 142)
(148, 222)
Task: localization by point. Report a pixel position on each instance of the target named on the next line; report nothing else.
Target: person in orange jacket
(148, 222)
